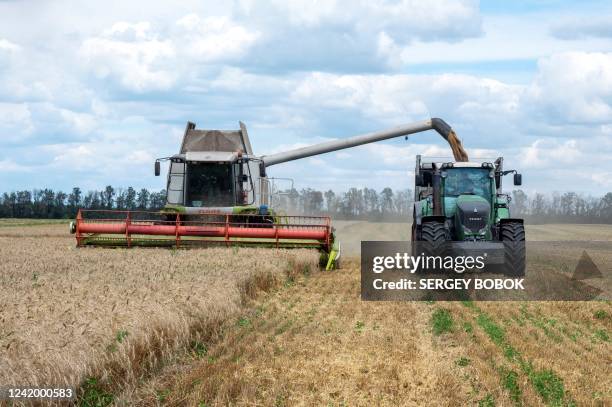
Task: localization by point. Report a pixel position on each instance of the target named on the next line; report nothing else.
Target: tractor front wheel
(433, 238)
(512, 235)
(434, 233)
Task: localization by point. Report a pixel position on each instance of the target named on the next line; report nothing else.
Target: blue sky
(91, 93)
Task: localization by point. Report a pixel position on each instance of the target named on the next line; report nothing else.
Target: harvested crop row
(318, 343)
(67, 314)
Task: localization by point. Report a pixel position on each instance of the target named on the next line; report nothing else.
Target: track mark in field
(545, 382)
(315, 342)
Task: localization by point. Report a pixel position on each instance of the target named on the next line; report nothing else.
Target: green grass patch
(442, 321)
(545, 382)
(509, 380)
(94, 395)
(495, 332)
(284, 327)
(469, 304)
(601, 314)
(462, 361)
(198, 348)
(244, 322)
(359, 326)
(121, 335)
(510, 352)
(488, 401)
(162, 395)
(602, 335)
(549, 386)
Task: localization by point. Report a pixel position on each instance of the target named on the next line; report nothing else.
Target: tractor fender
(430, 218)
(418, 214)
(511, 220)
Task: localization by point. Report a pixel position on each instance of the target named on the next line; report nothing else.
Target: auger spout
(436, 124)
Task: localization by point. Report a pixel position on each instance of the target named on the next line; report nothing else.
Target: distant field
(351, 233)
(159, 326)
(9, 222)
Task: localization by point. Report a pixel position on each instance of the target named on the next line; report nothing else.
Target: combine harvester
(218, 193)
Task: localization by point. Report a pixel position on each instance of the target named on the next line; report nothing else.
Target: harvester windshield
(468, 181)
(210, 184)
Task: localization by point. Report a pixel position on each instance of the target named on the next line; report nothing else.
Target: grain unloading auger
(218, 193)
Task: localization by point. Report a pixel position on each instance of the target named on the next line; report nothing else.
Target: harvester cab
(464, 202)
(214, 171)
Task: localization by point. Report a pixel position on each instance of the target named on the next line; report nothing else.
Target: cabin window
(176, 178)
(210, 185)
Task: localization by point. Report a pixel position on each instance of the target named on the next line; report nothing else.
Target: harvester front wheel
(512, 235)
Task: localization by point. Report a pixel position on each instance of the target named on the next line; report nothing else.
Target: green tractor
(461, 204)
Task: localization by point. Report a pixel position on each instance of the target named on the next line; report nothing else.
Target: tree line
(356, 203)
(46, 203)
(367, 203)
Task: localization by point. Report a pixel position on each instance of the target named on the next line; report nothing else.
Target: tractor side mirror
(418, 180)
(262, 169)
(518, 179)
(157, 168)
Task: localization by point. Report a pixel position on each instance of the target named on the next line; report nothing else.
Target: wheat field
(317, 343)
(166, 327)
(71, 314)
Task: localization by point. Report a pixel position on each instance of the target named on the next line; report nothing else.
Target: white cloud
(403, 20)
(401, 97)
(6, 45)
(146, 59)
(14, 113)
(134, 54)
(214, 38)
(76, 158)
(506, 38)
(140, 157)
(580, 28)
(9, 165)
(576, 86)
(603, 179)
(82, 123)
(545, 153)
(15, 121)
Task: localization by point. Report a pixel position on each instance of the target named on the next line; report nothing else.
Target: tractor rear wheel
(512, 235)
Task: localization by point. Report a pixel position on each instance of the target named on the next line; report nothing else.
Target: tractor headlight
(482, 231)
